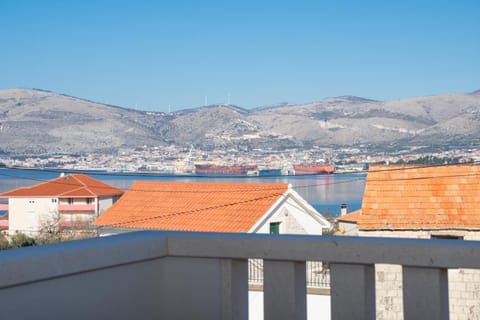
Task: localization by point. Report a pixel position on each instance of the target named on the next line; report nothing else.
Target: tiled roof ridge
(422, 172)
(406, 166)
(195, 210)
(84, 180)
(351, 216)
(72, 185)
(85, 186)
(70, 191)
(427, 177)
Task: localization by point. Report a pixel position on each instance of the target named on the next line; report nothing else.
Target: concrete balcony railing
(317, 275)
(168, 275)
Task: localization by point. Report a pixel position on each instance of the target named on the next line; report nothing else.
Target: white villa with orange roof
(70, 202)
(213, 207)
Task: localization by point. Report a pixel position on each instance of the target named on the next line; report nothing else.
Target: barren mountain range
(42, 122)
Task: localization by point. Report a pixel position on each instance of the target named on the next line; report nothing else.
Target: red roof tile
(406, 197)
(351, 217)
(69, 186)
(193, 206)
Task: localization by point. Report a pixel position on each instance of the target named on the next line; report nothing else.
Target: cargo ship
(220, 169)
(265, 172)
(313, 169)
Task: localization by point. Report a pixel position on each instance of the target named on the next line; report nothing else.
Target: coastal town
(183, 160)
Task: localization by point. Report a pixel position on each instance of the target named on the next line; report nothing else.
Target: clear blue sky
(155, 54)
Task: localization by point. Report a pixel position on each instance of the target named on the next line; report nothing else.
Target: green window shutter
(275, 228)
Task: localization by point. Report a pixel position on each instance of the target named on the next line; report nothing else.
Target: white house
(214, 207)
(69, 202)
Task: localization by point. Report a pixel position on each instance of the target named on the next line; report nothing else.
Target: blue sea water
(326, 193)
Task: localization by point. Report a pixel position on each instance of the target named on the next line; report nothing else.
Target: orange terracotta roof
(68, 186)
(351, 217)
(193, 206)
(433, 197)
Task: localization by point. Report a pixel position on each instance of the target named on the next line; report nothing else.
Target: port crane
(188, 164)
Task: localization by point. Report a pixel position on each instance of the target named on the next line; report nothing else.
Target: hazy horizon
(223, 103)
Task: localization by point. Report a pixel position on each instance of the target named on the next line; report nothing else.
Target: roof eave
(309, 209)
(277, 204)
(419, 229)
(299, 200)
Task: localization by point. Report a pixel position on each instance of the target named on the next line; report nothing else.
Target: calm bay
(324, 192)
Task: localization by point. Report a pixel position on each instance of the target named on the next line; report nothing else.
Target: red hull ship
(313, 169)
(216, 169)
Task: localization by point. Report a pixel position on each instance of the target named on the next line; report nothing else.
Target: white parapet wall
(175, 275)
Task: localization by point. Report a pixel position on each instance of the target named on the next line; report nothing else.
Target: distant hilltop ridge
(37, 121)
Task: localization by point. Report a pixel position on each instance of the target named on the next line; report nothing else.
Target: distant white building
(70, 202)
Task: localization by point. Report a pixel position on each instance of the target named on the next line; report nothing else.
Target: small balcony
(175, 275)
(77, 224)
(76, 207)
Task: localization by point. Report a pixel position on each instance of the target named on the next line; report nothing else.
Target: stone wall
(388, 290)
(463, 284)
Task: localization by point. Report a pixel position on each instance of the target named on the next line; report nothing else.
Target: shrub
(20, 239)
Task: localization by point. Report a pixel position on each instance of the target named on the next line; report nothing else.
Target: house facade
(426, 202)
(68, 203)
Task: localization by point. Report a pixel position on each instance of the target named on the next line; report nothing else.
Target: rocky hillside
(40, 122)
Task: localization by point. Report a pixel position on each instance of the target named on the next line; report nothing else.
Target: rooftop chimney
(343, 209)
